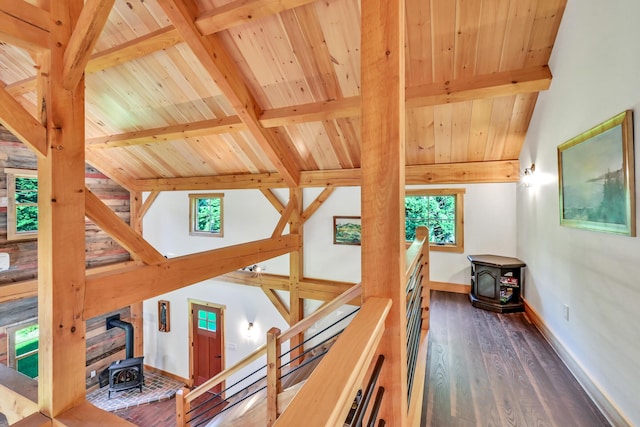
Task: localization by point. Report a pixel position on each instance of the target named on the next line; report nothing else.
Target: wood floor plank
(490, 369)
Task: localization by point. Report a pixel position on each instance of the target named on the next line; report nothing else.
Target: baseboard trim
(167, 374)
(601, 400)
(450, 287)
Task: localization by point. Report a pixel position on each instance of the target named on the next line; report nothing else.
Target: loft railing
(340, 374)
(195, 407)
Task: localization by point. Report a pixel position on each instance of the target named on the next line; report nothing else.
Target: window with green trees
(23, 346)
(441, 211)
(205, 213)
(22, 204)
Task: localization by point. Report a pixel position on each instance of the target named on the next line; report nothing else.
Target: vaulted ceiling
(250, 93)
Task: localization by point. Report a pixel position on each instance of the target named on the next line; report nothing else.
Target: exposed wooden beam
(383, 189)
(225, 182)
(22, 124)
(211, 53)
(148, 203)
(450, 173)
(243, 11)
(284, 218)
(315, 205)
(169, 133)
(273, 199)
(277, 302)
(29, 288)
(111, 223)
(129, 51)
(107, 292)
(494, 85)
(24, 25)
(85, 35)
(506, 83)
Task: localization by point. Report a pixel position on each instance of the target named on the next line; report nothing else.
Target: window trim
(192, 214)
(459, 195)
(12, 174)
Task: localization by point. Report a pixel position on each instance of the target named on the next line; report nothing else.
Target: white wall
(489, 228)
(595, 65)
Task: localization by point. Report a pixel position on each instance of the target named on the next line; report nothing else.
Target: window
(23, 347)
(207, 320)
(441, 211)
(22, 204)
(205, 213)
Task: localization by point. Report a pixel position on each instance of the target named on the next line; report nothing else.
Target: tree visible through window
(439, 210)
(205, 211)
(22, 206)
(23, 348)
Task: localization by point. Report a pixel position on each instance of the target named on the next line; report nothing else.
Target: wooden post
(182, 407)
(423, 233)
(136, 309)
(61, 234)
(383, 180)
(274, 385)
(296, 273)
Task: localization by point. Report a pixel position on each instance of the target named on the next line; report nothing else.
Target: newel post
(274, 385)
(182, 407)
(422, 233)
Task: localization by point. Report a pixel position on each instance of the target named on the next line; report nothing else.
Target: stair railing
(272, 350)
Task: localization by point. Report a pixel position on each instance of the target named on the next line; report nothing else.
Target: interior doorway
(207, 341)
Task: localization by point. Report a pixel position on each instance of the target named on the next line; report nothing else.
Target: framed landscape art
(346, 230)
(596, 178)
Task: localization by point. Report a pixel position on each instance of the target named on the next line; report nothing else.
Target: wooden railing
(340, 374)
(272, 349)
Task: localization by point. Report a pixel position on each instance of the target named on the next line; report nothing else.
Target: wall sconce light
(250, 331)
(528, 178)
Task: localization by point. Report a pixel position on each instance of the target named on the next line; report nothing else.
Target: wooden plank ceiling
(262, 93)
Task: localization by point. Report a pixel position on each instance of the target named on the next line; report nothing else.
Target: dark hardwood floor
(490, 369)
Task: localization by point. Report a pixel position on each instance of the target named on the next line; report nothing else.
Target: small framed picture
(347, 230)
(164, 323)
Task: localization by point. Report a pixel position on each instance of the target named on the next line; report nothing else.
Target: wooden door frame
(222, 309)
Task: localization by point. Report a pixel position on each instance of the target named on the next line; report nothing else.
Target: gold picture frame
(596, 178)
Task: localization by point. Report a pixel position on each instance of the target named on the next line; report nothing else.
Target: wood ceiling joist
(473, 172)
(92, 19)
(242, 11)
(22, 124)
(492, 85)
(109, 291)
(221, 67)
(111, 223)
(489, 86)
(169, 133)
(134, 49)
(24, 25)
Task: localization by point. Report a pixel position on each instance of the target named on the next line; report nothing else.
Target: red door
(207, 343)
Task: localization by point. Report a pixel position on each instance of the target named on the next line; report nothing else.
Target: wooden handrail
(341, 371)
(415, 250)
(353, 292)
(296, 329)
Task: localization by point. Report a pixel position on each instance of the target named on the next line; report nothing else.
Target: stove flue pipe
(115, 322)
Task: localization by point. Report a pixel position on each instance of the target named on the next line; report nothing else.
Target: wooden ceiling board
(154, 111)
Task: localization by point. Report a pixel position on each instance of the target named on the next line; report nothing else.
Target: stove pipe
(115, 322)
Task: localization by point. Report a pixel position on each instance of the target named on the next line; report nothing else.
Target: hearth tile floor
(156, 388)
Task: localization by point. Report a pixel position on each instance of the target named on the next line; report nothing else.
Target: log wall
(103, 347)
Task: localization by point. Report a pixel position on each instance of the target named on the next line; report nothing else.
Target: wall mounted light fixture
(528, 178)
(250, 331)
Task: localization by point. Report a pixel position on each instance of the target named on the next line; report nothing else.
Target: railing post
(274, 384)
(182, 407)
(423, 233)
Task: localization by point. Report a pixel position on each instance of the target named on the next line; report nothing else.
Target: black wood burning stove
(126, 374)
